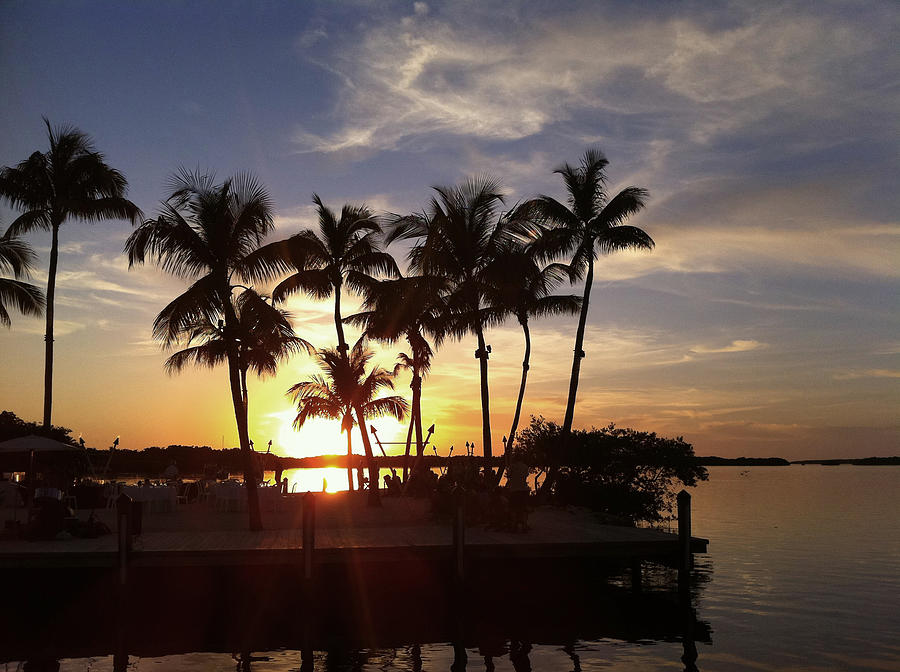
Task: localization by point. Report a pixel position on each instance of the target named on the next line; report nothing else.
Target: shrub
(621, 472)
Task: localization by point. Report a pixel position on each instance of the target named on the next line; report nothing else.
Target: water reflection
(496, 637)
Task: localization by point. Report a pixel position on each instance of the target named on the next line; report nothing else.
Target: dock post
(309, 534)
(685, 559)
(123, 516)
(459, 537)
(308, 590)
(684, 530)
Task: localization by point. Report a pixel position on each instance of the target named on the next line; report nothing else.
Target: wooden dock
(195, 579)
(199, 537)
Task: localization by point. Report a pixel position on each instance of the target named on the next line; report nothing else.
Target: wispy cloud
(868, 373)
(445, 72)
(734, 346)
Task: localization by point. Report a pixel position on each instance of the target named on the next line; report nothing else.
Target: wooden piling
(459, 537)
(124, 511)
(636, 576)
(685, 559)
(309, 534)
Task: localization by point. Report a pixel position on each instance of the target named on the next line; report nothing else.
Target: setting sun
(324, 437)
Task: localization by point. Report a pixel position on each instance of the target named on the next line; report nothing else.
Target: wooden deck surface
(196, 534)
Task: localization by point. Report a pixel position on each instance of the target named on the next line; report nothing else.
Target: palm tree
(69, 180)
(346, 390)
(318, 398)
(265, 338)
(204, 233)
(18, 259)
(517, 284)
(457, 237)
(406, 307)
(344, 251)
(592, 223)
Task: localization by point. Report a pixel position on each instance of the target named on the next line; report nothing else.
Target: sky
(765, 322)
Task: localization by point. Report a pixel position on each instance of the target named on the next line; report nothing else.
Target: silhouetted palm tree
(204, 233)
(265, 338)
(70, 180)
(407, 307)
(347, 386)
(17, 258)
(344, 252)
(591, 224)
(318, 398)
(456, 238)
(518, 285)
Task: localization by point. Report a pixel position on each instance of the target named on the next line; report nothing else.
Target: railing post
(459, 536)
(309, 533)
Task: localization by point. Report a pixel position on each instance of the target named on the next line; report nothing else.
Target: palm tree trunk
(350, 460)
(240, 415)
(48, 334)
(244, 396)
(417, 412)
(485, 400)
(374, 499)
(409, 432)
(573, 380)
(579, 352)
(419, 464)
(525, 367)
(338, 323)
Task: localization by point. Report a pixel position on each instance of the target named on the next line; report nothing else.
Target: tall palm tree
(204, 233)
(591, 224)
(456, 238)
(265, 338)
(518, 284)
(71, 180)
(345, 251)
(346, 387)
(407, 307)
(18, 259)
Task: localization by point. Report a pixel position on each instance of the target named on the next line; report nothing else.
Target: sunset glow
(764, 322)
(323, 437)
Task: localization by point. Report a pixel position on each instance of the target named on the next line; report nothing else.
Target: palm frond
(200, 302)
(28, 221)
(27, 299)
(624, 204)
(16, 256)
(394, 406)
(209, 355)
(267, 262)
(315, 282)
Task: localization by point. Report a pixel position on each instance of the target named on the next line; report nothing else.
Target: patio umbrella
(15, 453)
(39, 444)
(36, 453)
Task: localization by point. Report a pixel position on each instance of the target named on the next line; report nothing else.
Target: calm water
(803, 574)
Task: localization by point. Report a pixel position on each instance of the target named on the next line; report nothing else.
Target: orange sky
(765, 322)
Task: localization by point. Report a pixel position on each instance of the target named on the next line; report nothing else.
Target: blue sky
(765, 322)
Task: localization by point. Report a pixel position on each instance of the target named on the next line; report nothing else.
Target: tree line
(471, 266)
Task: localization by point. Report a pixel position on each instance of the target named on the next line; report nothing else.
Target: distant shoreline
(715, 461)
